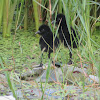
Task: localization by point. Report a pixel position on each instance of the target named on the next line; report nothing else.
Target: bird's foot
(40, 65)
(57, 64)
(70, 62)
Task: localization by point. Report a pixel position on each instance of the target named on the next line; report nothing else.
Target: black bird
(46, 39)
(64, 34)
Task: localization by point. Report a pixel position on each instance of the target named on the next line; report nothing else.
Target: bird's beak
(53, 22)
(38, 32)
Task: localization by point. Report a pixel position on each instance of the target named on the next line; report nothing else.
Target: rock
(67, 72)
(32, 74)
(93, 78)
(7, 98)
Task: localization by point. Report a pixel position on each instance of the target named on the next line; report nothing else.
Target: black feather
(64, 34)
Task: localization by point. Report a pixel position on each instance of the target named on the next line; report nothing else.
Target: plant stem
(36, 15)
(25, 18)
(60, 6)
(50, 9)
(1, 11)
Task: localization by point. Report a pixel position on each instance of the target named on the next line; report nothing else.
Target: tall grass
(18, 15)
(1, 11)
(36, 14)
(60, 6)
(8, 13)
(11, 85)
(26, 15)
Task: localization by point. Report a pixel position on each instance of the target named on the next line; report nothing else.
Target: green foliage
(8, 78)
(36, 14)
(8, 13)
(1, 11)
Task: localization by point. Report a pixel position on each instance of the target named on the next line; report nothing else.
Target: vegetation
(19, 48)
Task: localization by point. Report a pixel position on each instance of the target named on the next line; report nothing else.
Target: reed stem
(1, 11)
(60, 6)
(36, 14)
(25, 18)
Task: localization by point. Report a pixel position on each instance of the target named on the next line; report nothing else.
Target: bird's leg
(41, 60)
(49, 55)
(70, 61)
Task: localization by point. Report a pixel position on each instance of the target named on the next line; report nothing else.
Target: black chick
(46, 39)
(64, 34)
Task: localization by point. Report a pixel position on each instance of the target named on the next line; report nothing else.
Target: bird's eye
(43, 29)
(59, 19)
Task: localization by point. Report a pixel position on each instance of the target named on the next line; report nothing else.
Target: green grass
(29, 47)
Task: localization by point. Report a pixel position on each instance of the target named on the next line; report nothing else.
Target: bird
(46, 40)
(64, 34)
